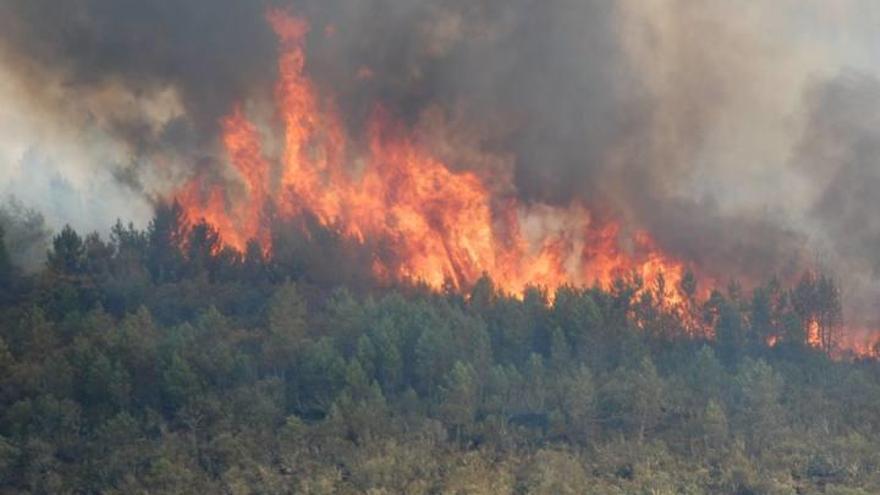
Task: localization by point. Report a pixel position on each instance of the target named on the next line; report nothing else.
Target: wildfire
(859, 342)
(238, 220)
(439, 225)
(814, 338)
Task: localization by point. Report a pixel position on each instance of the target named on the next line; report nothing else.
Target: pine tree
(67, 256)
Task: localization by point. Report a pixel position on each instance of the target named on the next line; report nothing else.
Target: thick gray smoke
(840, 154)
(724, 128)
(209, 52)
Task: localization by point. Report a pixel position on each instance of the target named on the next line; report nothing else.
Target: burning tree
(816, 300)
(429, 221)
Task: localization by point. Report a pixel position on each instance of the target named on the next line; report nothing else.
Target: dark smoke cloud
(742, 247)
(553, 80)
(561, 87)
(550, 74)
(211, 51)
(547, 84)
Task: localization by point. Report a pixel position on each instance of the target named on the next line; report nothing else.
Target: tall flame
(439, 225)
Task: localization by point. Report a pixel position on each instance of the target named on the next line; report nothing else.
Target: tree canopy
(158, 361)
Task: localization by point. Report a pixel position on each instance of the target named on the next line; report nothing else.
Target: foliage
(159, 361)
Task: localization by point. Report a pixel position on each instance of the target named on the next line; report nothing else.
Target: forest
(157, 361)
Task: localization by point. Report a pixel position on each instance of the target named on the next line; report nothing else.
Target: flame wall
(439, 225)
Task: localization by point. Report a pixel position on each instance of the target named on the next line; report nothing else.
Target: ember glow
(437, 225)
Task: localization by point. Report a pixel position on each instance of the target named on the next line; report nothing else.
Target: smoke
(25, 234)
(726, 129)
(839, 154)
(113, 102)
(59, 162)
(209, 52)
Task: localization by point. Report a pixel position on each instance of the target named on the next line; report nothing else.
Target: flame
(814, 338)
(439, 225)
(860, 343)
(237, 221)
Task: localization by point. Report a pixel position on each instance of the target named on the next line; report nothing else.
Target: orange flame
(440, 225)
(237, 221)
(859, 343)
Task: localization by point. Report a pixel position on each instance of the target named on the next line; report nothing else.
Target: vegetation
(158, 362)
